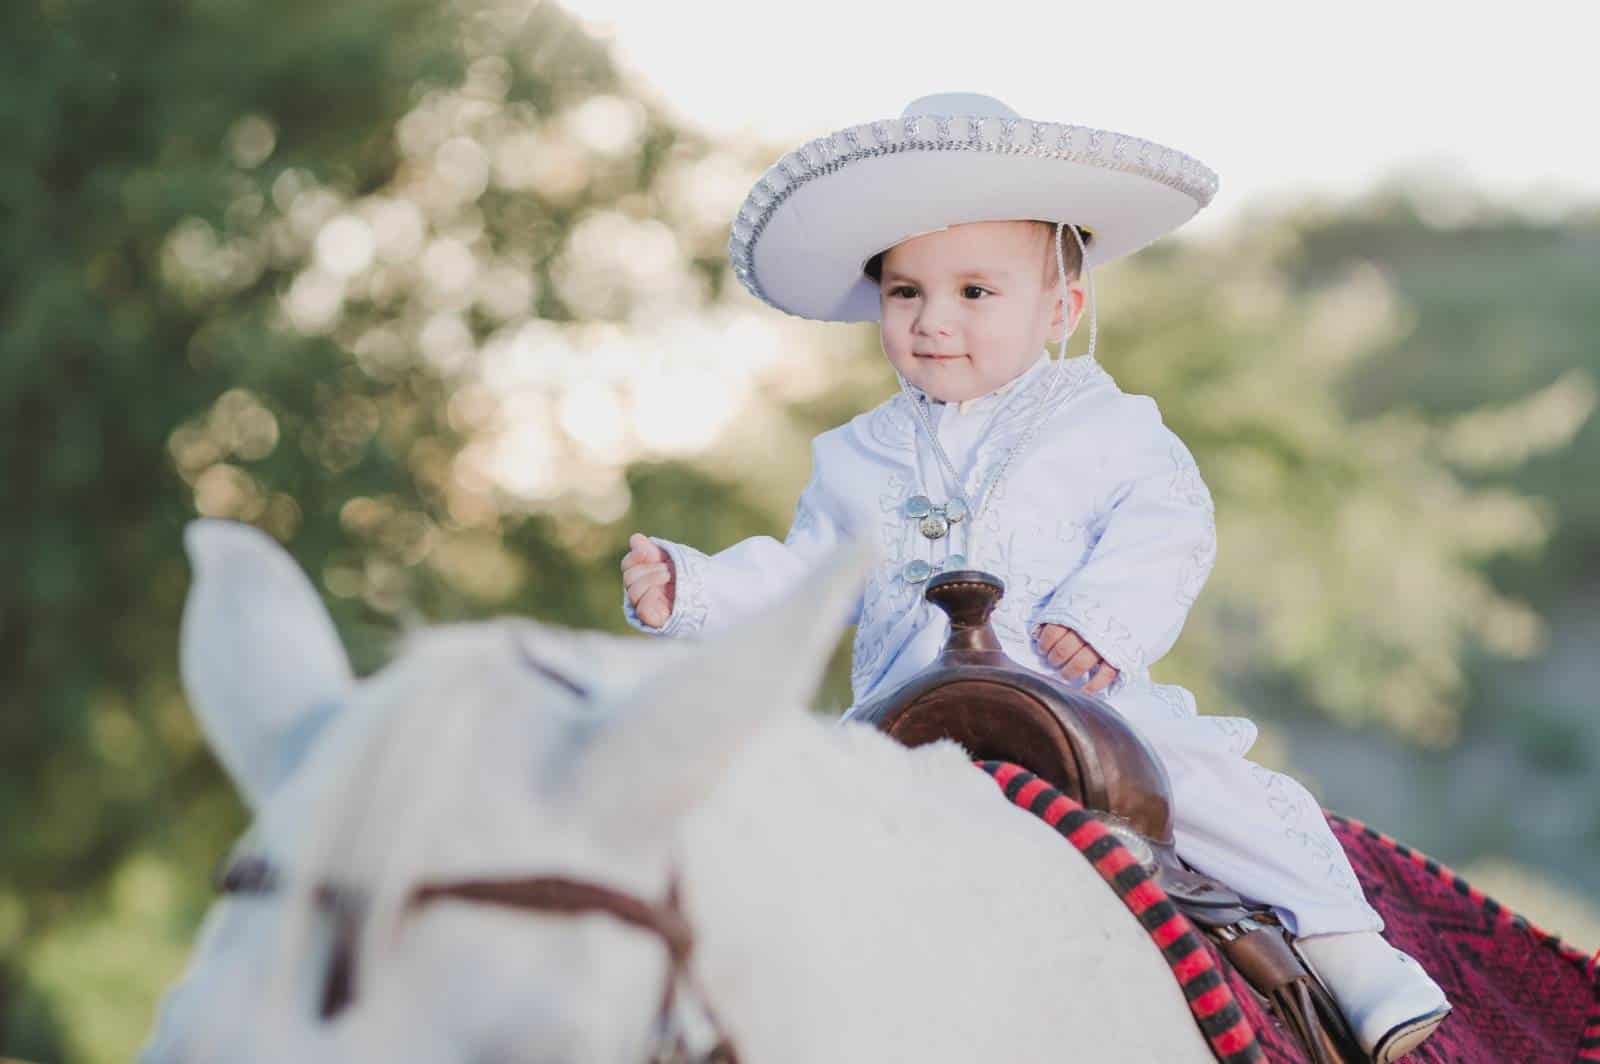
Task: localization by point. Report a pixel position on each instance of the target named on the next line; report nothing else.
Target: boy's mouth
(932, 357)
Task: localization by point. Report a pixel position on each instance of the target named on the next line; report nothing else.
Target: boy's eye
(971, 291)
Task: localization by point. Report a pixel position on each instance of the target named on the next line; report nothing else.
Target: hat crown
(958, 103)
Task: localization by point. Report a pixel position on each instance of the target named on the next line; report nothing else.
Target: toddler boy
(947, 227)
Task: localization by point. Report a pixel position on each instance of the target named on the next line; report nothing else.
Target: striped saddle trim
(1205, 988)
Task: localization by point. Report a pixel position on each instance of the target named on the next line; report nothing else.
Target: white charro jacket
(1103, 525)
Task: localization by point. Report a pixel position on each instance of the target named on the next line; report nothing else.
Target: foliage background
(431, 293)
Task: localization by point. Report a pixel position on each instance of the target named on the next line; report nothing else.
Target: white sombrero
(812, 222)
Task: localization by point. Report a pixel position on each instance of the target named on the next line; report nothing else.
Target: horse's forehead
(532, 691)
(533, 697)
(605, 665)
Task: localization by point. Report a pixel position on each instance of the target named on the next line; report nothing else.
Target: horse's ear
(667, 746)
(261, 661)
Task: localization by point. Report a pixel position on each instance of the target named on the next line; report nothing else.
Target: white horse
(851, 900)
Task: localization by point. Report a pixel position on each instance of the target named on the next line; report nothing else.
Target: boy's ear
(1068, 309)
(1058, 315)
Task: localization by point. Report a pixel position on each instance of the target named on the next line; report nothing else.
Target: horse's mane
(370, 810)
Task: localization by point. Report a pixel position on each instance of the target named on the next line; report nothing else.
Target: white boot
(1392, 1005)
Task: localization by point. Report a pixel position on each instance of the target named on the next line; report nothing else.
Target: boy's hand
(648, 579)
(1072, 657)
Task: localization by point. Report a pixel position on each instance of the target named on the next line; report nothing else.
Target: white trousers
(1258, 831)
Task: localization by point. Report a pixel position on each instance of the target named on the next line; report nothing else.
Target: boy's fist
(1072, 657)
(648, 578)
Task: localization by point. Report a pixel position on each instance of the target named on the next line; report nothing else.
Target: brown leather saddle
(998, 710)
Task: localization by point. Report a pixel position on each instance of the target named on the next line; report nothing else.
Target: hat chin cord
(1088, 278)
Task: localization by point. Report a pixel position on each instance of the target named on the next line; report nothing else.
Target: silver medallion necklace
(935, 519)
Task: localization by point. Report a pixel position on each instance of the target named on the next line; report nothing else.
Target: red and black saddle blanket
(1520, 994)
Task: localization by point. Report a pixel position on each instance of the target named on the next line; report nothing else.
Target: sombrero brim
(812, 222)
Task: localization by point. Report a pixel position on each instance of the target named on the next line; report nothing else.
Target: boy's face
(967, 309)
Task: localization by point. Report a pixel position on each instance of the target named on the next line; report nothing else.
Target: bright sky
(1281, 99)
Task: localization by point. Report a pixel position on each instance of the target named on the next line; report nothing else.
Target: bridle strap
(548, 894)
(256, 875)
(557, 894)
(574, 897)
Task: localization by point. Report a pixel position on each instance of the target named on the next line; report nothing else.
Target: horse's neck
(859, 901)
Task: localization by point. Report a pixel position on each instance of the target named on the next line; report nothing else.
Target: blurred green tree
(122, 124)
(180, 337)
(1500, 360)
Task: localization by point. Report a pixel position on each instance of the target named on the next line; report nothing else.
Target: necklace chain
(986, 492)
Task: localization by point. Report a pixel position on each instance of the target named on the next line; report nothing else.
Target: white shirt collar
(982, 402)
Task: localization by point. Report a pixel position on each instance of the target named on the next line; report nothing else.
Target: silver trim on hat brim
(1127, 190)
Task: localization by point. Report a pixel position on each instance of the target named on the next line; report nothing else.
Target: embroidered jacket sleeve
(712, 591)
(1157, 543)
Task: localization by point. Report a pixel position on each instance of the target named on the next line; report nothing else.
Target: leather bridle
(557, 895)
